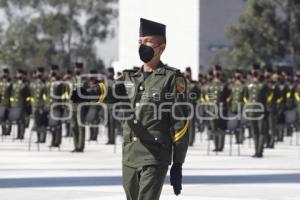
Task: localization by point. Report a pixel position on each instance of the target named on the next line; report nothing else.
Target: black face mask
(77, 73)
(53, 74)
(218, 75)
(255, 74)
(146, 53)
(39, 76)
(238, 78)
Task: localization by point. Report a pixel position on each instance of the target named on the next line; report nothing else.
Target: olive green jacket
(151, 136)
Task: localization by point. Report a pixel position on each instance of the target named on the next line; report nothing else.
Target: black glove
(76, 98)
(176, 177)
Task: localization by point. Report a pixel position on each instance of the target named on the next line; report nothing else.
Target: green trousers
(144, 183)
(40, 129)
(260, 132)
(78, 133)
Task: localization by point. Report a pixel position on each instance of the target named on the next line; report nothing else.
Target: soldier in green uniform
(37, 99)
(5, 92)
(68, 84)
(280, 107)
(256, 95)
(217, 94)
(111, 121)
(272, 97)
(77, 129)
(199, 118)
(205, 100)
(18, 101)
(235, 104)
(290, 103)
(93, 111)
(28, 108)
(54, 93)
(193, 95)
(151, 139)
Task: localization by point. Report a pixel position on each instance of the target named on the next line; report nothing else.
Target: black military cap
(20, 71)
(148, 28)
(110, 70)
(93, 71)
(5, 70)
(69, 72)
(218, 67)
(54, 67)
(238, 71)
(41, 69)
(79, 65)
(256, 66)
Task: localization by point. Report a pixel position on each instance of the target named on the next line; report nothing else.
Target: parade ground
(96, 174)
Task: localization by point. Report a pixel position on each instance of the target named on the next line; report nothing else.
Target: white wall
(182, 20)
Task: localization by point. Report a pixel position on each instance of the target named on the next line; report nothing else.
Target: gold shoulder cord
(181, 133)
(103, 92)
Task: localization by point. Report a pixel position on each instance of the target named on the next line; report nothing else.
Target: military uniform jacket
(290, 96)
(216, 96)
(20, 93)
(257, 92)
(235, 99)
(38, 94)
(150, 135)
(5, 92)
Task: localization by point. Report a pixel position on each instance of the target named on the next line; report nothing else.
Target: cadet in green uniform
(206, 100)
(199, 121)
(257, 94)
(77, 129)
(19, 95)
(111, 121)
(273, 96)
(151, 141)
(280, 107)
(28, 108)
(290, 104)
(235, 104)
(37, 99)
(193, 95)
(93, 110)
(217, 93)
(68, 84)
(5, 92)
(54, 95)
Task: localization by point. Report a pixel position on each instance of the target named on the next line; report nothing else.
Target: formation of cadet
(264, 101)
(46, 100)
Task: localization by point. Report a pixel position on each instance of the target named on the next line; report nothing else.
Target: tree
(257, 37)
(55, 31)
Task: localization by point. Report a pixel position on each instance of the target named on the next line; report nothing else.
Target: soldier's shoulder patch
(180, 84)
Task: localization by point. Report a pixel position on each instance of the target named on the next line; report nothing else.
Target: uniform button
(156, 139)
(141, 88)
(134, 139)
(137, 104)
(135, 121)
